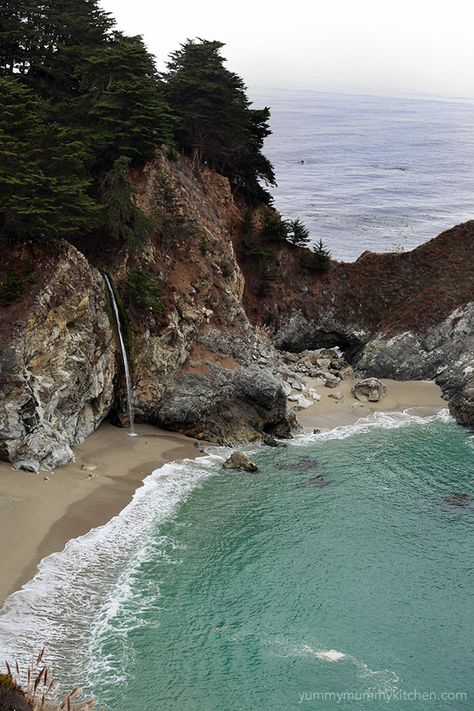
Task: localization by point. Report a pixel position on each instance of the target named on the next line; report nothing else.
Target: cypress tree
(44, 184)
(214, 121)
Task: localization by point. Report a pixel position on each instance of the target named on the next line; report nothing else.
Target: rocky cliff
(198, 366)
(399, 315)
(57, 357)
(198, 332)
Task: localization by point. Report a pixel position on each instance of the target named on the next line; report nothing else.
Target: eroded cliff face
(198, 365)
(403, 316)
(57, 358)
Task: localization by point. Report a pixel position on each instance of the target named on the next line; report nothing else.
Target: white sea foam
(385, 420)
(77, 593)
(380, 678)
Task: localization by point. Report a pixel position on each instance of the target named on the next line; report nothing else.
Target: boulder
(331, 381)
(27, 465)
(238, 460)
(225, 406)
(369, 390)
(336, 395)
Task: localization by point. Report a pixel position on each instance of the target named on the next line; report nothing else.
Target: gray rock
(331, 381)
(226, 406)
(270, 441)
(57, 372)
(240, 461)
(369, 390)
(27, 465)
(461, 404)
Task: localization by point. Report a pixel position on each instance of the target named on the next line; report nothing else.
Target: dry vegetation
(36, 690)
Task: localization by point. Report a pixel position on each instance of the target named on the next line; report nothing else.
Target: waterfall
(126, 368)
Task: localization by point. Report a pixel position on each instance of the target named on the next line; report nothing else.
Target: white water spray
(126, 367)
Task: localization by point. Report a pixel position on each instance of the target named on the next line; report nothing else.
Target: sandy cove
(40, 513)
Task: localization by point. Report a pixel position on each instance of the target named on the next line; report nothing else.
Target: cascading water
(126, 367)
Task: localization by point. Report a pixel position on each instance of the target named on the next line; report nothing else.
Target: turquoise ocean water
(222, 591)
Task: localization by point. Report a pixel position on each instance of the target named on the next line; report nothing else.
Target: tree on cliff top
(43, 179)
(214, 121)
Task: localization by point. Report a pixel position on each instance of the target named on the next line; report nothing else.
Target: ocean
(224, 591)
(379, 173)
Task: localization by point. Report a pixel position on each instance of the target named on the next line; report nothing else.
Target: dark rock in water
(238, 460)
(27, 465)
(306, 463)
(319, 481)
(302, 463)
(12, 699)
(270, 441)
(457, 499)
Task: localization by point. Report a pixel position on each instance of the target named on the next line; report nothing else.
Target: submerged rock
(319, 481)
(370, 389)
(457, 499)
(238, 460)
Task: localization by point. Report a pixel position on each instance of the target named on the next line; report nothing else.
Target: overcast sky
(373, 46)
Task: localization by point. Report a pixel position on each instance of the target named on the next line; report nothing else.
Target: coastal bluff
(204, 324)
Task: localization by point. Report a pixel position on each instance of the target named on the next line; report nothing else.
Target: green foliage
(318, 260)
(122, 220)
(298, 234)
(123, 108)
(214, 121)
(145, 290)
(15, 281)
(274, 229)
(175, 224)
(227, 269)
(44, 184)
(11, 287)
(75, 96)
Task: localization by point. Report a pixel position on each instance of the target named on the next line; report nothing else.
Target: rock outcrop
(395, 315)
(57, 361)
(198, 365)
(239, 460)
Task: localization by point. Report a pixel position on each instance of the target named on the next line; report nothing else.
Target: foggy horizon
(361, 48)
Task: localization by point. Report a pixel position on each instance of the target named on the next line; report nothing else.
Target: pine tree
(44, 185)
(214, 121)
(122, 220)
(123, 109)
(298, 234)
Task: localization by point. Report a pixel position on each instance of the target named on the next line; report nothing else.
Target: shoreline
(40, 513)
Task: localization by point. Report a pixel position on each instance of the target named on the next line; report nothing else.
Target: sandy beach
(40, 513)
(424, 396)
